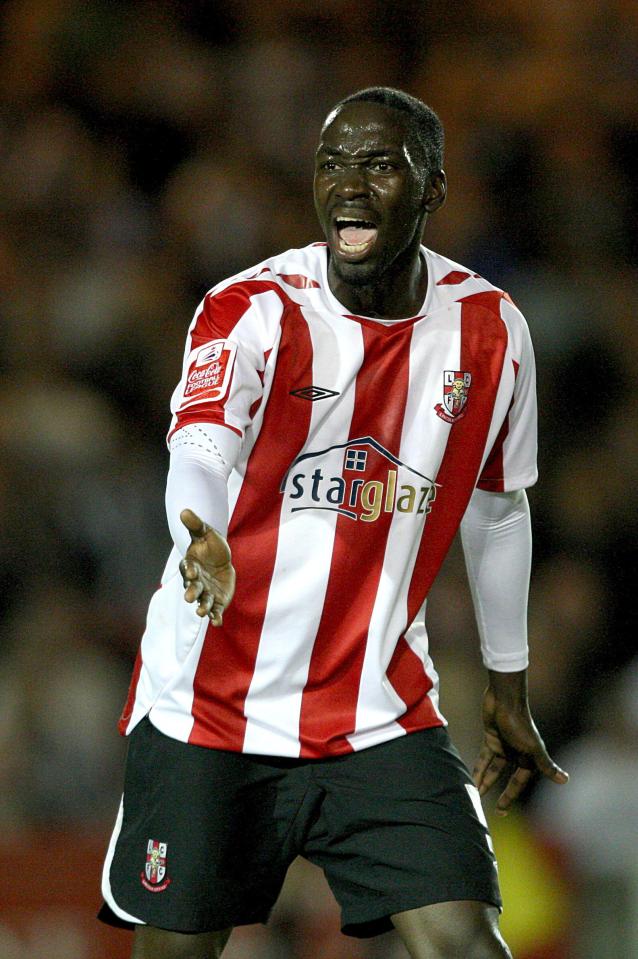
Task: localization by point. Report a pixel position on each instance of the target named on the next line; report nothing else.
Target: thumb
(195, 526)
(549, 768)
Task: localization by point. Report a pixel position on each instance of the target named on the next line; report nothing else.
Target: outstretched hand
(511, 739)
(207, 572)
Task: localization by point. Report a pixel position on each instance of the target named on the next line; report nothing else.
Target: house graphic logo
(360, 480)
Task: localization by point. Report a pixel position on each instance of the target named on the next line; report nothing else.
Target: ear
(435, 191)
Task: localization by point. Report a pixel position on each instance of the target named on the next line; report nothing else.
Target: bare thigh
(452, 930)
(151, 943)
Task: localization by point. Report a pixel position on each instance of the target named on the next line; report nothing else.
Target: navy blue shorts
(205, 837)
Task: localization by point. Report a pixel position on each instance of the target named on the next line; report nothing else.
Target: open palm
(207, 571)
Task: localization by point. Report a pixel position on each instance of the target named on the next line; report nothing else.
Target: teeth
(354, 247)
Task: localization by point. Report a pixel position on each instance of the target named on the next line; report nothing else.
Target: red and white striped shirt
(362, 442)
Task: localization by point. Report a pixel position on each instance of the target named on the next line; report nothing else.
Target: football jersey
(362, 442)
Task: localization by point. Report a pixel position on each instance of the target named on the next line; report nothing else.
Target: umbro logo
(313, 393)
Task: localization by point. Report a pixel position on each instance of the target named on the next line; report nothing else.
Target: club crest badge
(154, 877)
(456, 384)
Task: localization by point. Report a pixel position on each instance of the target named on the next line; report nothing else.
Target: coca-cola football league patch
(209, 369)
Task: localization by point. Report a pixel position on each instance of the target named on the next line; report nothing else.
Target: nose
(352, 183)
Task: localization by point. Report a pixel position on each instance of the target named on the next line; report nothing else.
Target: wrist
(509, 688)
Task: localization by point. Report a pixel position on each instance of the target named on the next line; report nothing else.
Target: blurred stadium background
(147, 150)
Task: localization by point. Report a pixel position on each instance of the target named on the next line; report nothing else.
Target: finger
(205, 604)
(195, 526)
(190, 571)
(216, 614)
(481, 763)
(517, 783)
(487, 769)
(548, 768)
(193, 590)
(492, 774)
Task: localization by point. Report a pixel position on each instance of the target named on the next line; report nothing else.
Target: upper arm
(511, 462)
(225, 357)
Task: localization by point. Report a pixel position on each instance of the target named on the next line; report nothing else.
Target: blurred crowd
(149, 149)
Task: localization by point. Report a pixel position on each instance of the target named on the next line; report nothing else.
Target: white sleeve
(497, 544)
(511, 463)
(202, 456)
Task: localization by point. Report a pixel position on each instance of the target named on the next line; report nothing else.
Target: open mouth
(355, 237)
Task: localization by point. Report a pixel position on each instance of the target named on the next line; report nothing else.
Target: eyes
(381, 166)
(375, 165)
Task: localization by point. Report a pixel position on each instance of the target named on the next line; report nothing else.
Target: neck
(395, 294)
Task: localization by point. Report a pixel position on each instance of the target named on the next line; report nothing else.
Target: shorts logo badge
(154, 876)
(456, 384)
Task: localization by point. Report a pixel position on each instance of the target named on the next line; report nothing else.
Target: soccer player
(343, 408)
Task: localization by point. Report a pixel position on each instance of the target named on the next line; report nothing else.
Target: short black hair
(425, 128)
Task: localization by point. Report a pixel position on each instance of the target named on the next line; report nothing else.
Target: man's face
(368, 190)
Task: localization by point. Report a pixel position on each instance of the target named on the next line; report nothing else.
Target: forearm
(497, 543)
(202, 457)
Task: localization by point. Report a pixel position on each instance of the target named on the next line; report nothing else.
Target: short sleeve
(225, 357)
(512, 461)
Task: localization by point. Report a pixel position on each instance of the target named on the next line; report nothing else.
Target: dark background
(150, 149)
